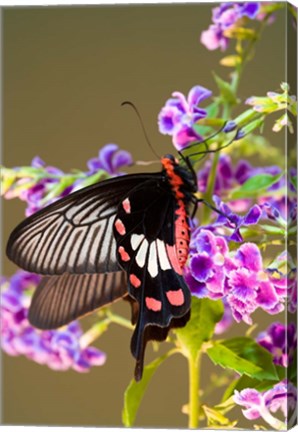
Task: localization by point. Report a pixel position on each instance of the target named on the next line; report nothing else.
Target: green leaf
(98, 176)
(212, 109)
(205, 126)
(230, 61)
(135, 391)
(250, 350)
(240, 33)
(245, 117)
(245, 356)
(293, 180)
(205, 313)
(223, 356)
(292, 369)
(202, 130)
(255, 185)
(250, 127)
(225, 89)
(282, 372)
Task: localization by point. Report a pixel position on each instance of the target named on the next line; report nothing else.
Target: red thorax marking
(174, 179)
(181, 224)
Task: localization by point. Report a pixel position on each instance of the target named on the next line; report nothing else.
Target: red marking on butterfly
(126, 205)
(176, 298)
(153, 304)
(120, 227)
(123, 254)
(135, 281)
(172, 253)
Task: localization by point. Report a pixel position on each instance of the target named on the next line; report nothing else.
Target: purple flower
(292, 291)
(283, 397)
(205, 275)
(235, 221)
(229, 177)
(224, 18)
(281, 341)
(58, 349)
(283, 274)
(110, 159)
(41, 185)
(236, 277)
(214, 38)
(180, 114)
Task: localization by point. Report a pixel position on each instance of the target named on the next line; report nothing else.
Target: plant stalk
(194, 383)
(117, 319)
(210, 188)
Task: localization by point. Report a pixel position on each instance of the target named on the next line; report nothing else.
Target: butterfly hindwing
(145, 234)
(59, 300)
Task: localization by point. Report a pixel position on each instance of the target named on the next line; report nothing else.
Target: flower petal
(197, 94)
(184, 136)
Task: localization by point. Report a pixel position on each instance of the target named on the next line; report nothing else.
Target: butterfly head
(180, 177)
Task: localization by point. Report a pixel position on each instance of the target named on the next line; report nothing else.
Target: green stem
(117, 319)
(94, 332)
(194, 382)
(210, 188)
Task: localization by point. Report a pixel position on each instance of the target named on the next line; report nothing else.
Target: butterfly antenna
(207, 151)
(142, 125)
(204, 141)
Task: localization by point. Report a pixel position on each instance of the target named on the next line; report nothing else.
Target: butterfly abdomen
(181, 234)
(182, 230)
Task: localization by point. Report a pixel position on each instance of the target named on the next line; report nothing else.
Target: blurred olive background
(66, 71)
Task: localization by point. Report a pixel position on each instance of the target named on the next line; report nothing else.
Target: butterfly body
(132, 228)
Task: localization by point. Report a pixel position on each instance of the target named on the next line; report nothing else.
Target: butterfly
(125, 237)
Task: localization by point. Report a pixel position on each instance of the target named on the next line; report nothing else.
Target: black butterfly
(123, 237)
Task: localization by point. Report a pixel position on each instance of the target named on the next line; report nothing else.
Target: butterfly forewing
(74, 234)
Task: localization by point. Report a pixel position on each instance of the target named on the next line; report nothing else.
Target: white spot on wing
(162, 255)
(152, 263)
(135, 240)
(142, 253)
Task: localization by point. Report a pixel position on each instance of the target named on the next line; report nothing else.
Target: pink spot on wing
(123, 254)
(126, 205)
(120, 227)
(135, 281)
(172, 254)
(176, 298)
(153, 304)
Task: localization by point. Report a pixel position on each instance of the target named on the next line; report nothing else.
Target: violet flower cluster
(281, 341)
(239, 277)
(46, 184)
(58, 349)
(226, 17)
(280, 206)
(180, 114)
(281, 397)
